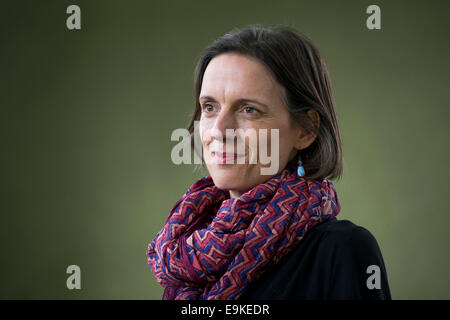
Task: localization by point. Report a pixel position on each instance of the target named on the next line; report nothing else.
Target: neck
(235, 194)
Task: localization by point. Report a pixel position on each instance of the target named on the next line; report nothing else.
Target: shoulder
(346, 247)
(331, 262)
(351, 255)
(344, 235)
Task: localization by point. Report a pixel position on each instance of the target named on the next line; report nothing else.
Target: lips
(224, 158)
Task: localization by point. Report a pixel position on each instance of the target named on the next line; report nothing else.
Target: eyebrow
(241, 100)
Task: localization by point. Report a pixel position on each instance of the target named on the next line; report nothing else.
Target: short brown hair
(297, 65)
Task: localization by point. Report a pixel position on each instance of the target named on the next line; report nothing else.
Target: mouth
(225, 158)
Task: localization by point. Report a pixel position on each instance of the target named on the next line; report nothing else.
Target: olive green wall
(86, 117)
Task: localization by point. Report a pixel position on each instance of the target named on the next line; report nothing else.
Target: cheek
(284, 142)
(287, 144)
(204, 131)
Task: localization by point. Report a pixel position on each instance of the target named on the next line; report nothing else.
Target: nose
(224, 121)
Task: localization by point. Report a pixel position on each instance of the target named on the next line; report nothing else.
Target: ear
(304, 139)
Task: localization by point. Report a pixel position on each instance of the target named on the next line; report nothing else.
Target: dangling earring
(300, 170)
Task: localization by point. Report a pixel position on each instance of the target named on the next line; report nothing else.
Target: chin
(228, 178)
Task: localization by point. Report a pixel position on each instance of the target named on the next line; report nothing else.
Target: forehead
(233, 73)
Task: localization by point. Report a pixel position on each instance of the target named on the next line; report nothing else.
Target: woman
(242, 234)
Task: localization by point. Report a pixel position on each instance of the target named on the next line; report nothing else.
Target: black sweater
(331, 262)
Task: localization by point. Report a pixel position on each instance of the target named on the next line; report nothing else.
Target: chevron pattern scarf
(212, 246)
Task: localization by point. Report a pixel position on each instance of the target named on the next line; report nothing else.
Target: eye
(207, 108)
(250, 110)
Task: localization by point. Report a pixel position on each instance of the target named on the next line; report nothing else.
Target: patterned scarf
(212, 246)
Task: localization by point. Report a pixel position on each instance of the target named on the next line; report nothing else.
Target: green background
(86, 117)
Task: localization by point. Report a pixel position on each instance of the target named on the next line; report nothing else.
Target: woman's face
(238, 92)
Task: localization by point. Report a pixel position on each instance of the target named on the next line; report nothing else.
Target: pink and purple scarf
(212, 246)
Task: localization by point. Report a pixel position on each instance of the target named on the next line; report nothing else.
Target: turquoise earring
(300, 170)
